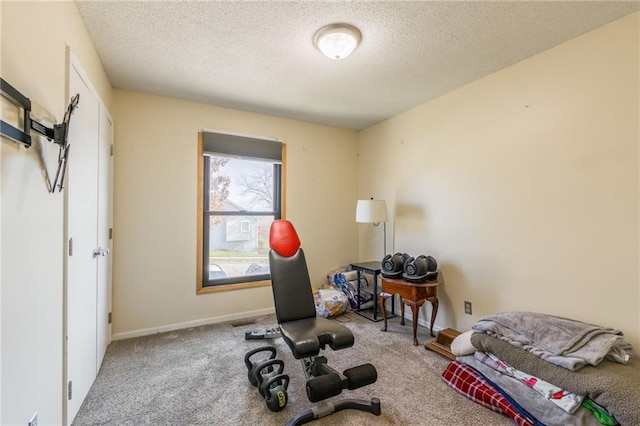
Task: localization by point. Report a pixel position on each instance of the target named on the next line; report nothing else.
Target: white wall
(154, 283)
(35, 36)
(523, 185)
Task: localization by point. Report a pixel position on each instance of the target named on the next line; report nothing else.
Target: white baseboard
(422, 322)
(188, 324)
(226, 318)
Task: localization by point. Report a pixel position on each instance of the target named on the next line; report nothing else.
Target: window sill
(230, 287)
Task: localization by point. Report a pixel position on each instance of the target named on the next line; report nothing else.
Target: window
(240, 193)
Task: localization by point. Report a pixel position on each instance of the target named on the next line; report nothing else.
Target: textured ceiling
(259, 56)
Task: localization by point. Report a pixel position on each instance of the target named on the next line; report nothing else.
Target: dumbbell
(404, 256)
(275, 392)
(254, 367)
(392, 266)
(415, 266)
(266, 371)
(432, 265)
(272, 384)
(420, 265)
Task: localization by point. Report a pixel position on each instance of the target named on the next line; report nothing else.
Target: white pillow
(461, 345)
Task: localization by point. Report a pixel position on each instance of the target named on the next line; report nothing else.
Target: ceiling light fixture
(337, 41)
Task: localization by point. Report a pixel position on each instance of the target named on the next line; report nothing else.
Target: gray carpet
(197, 376)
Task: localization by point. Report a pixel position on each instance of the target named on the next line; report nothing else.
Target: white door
(88, 219)
(105, 223)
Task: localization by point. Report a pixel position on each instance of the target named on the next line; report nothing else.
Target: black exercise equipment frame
(315, 367)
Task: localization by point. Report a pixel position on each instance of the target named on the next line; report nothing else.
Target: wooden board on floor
(442, 344)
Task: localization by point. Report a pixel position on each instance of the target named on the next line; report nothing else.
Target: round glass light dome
(337, 41)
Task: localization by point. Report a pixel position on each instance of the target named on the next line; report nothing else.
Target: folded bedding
(532, 402)
(611, 385)
(468, 382)
(567, 401)
(565, 342)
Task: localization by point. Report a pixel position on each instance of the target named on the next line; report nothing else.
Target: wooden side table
(413, 295)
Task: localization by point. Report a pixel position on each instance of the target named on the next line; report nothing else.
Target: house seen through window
(241, 197)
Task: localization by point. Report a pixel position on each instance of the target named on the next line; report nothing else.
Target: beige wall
(35, 36)
(155, 207)
(524, 184)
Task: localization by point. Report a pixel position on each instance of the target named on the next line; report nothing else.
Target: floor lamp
(373, 211)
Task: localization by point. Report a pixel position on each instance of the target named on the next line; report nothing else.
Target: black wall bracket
(56, 134)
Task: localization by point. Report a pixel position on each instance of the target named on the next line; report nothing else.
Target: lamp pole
(385, 239)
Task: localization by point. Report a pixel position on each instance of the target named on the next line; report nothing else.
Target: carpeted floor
(197, 376)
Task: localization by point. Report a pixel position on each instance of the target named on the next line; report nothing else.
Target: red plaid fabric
(466, 381)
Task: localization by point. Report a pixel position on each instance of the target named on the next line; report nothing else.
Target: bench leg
(326, 408)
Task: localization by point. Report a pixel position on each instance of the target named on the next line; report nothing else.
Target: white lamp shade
(371, 211)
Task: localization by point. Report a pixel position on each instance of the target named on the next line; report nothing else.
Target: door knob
(100, 251)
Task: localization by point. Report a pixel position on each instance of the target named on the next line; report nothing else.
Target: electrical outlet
(467, 308)
(34, 420)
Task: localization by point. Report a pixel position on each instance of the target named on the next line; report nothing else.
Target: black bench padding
(305, 333)
(307, 336)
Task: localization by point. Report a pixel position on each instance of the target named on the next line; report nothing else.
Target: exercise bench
(306, 334)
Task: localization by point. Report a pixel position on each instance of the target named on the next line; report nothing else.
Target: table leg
(415, 308)
(375, 298)
(358, 287)
(434, 311)
(393, 304)
(381, 299)
(401, 311)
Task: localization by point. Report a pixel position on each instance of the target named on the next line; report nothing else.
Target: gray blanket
(565, 342)
(613, 385)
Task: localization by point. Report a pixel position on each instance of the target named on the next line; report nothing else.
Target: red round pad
(283, 238)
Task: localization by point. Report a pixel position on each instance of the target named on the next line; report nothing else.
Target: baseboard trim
(188, 324)
(225, 318)
(423, 322)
